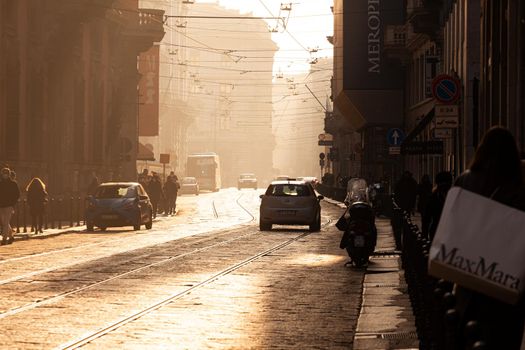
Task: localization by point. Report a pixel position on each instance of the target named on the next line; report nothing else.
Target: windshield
(288, 190)
(247, 176)
(189, 181)
(116, 191)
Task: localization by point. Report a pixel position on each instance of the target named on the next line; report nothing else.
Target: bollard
(46, 215)
(71, 212)
(59, 213)
(51, 212)
(79, 203)
(24, 214)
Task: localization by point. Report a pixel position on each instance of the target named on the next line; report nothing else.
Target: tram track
(89, 337)
(57, 297)
(91, 245)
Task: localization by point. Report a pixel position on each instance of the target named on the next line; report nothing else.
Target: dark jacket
(501, 324)
(424, 192)
(171, 188)
(406, 192)
(36, 199)
(434, 208)
(154, 190)
(9, 193)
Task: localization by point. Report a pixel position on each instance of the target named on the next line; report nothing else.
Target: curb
(29, 236)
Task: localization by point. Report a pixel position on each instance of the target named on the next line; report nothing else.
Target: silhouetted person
(36, 200)
(406, 191)
(171, 188)
(495, 172)
(424, 191)
(93, 186)
(432, 213)
(155, 193)
(9, 194)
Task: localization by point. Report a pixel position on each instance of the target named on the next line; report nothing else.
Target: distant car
(290, 203)
(247, 180)
(189, 185)
(282, 177)
(118, 204)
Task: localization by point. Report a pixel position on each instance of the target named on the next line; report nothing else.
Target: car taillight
(130, 205)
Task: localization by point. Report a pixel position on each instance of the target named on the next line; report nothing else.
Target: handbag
(342, 223)
(480, 244)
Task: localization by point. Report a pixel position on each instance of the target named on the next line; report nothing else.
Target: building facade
(68, 88)
(367, 89)
(230, 91)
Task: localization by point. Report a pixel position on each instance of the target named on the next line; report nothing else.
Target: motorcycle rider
(358, 223)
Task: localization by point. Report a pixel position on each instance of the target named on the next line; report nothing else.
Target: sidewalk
(386, 320)
(50, 232)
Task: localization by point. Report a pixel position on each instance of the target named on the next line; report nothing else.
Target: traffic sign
(423, 147)
(325, 137)
(442, 133)
(325, 143)
(395, 136)
(446, 88)
(394, 150)
(447, 122)
(446, 111)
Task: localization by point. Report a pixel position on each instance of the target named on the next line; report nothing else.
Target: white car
(247, 180)
(290, 203)
(189, 185)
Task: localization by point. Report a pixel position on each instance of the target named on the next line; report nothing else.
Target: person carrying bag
(480, 242)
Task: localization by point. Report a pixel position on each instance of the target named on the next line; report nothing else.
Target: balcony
(395, 42)
(424, 16)
(336, 124)
(145, 26)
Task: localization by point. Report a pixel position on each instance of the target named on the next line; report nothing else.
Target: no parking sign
(446, 88)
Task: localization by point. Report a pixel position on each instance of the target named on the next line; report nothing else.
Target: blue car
(118, 204)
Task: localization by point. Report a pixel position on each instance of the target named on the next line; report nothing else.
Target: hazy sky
(309, 23)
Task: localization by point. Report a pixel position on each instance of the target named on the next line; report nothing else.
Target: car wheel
(149, 224)
(265, 226)
(90, 226)
(136, 227)
(103, 228)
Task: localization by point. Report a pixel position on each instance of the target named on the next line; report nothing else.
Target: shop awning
(426, 113)
(144, 153)
(373, 107)
(349, 111)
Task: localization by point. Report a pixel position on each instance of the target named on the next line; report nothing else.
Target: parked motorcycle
(358, 223)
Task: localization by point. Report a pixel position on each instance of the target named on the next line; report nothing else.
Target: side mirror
(261, 196)
(143, 198)
(320, 198)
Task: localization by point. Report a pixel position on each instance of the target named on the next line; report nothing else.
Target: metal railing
(59, 213)
(433, 302)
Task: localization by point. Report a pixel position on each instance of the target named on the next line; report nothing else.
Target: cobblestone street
(206, 278)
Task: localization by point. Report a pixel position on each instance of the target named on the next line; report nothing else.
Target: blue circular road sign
(395, 136)
(446, 88)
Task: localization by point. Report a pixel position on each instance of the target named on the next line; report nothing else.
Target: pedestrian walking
(10, 194)
(431, 214)
(405, 192)
(155, 193)
(93, 186)
(424, 191)
(171, 188)
(495, 172)
(36, 199)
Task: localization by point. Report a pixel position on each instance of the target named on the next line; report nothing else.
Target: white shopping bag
(480, 244)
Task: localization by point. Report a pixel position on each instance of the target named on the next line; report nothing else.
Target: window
(288, 190)
(123, 191)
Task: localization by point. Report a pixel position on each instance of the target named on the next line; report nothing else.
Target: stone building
(68, 88)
